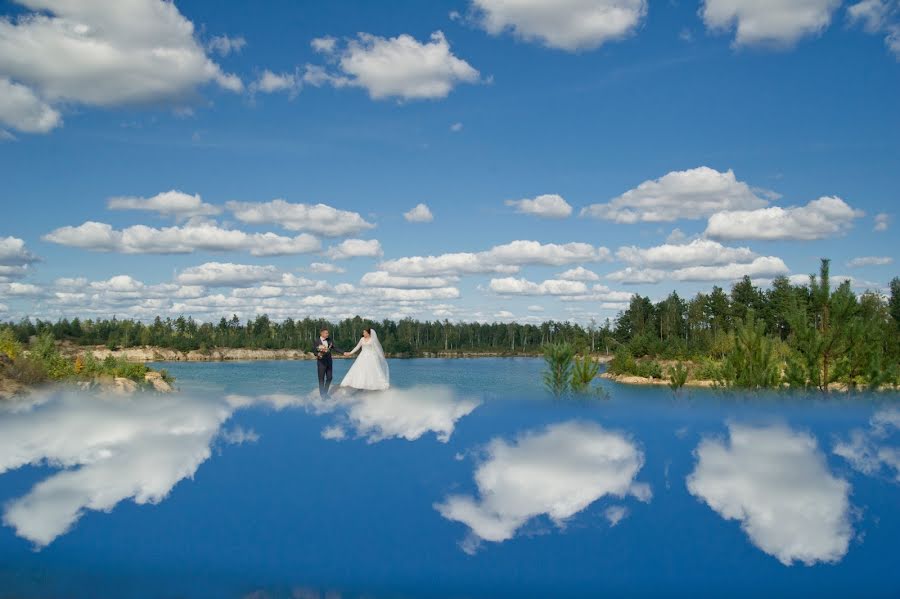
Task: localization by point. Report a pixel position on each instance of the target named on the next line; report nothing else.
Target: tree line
(809, 332)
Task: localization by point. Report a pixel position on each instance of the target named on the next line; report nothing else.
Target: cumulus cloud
(570, 25)
(543, 206)
(384, 279)
(227, 274)
(514, 286)
(763, 266)
(882, 220)
(22, 109)
(325, 267)
(141, 239)
(695, 253)
(870, 261)
(320, 219)
(224, 45)
(579, 274)
(776, 482)
(400, 293)
(420, 214)
(557, 472)
(15, 258)
(355, 248)
(398, 67)
(694, 193)
(96, 54)
(270, 83)
(168, 203)
(825, 217)
(507, 258)
(879, 17)
(771, 23)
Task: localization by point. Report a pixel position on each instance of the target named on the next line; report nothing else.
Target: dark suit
(324, 364)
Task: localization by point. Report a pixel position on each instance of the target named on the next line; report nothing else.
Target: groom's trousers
(325, 376)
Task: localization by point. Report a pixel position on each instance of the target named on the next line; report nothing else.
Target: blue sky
(765, 137)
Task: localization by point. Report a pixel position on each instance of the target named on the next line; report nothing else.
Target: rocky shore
(630, 379)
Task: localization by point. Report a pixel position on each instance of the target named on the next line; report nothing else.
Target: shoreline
(227, 354)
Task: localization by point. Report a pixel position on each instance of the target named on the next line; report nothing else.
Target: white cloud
(456, 127)
(544, 206)
(776, 482)
(355, 248)
(699, 252)
(615, 514)
(97, 54)
(505, 258)
(325, 267)
(224, 45)
(570, 25)
(270, 83)
(763, 266)
(227, 274)
(384, 279)
(141, 239)
(400, 293)
(768, 22)
(579, 274)
(20, 290)
(535, 308)
(397, 67)
(557, 472)
(825, 217)
(879, 17)
(168, 203)
(514, 286)
(420, 214)
(870, 261)
(691, 194)
(321, 219)
(22, 109)
(325, 45)
(882, 220)
(14, 253)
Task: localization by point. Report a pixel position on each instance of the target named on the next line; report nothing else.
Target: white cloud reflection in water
(112, 448)
(558, 472)
(870, 451)
(776, 482)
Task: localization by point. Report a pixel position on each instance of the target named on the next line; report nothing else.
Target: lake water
(464, 480)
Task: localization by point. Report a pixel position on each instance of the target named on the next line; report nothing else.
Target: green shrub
(678, 375)
(584, 372)
(558, 376)
(9, 345)
(623, 362)
(753, 363)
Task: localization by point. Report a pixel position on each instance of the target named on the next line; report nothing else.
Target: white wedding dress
(370, 370)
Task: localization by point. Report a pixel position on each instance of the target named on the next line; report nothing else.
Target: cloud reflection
(396, 413)
(869, 451)
(775, 481)
(110, 449)
(556, 472)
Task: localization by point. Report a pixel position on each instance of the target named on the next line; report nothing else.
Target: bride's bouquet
(323, 349)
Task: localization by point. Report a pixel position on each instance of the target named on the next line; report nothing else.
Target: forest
(810, 334)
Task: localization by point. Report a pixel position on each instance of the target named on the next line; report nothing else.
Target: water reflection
(870, 450)
(110, 449)
(396, 413)
(775, 481)
(557, 472)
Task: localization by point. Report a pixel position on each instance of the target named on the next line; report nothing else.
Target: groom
(323, 347)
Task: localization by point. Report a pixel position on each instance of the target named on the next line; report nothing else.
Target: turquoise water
(464, 480)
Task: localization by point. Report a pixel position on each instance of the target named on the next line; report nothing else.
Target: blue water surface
(464, 480)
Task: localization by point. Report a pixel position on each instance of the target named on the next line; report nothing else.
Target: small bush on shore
(558, 376)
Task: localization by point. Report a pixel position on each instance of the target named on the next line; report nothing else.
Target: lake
(464, 480)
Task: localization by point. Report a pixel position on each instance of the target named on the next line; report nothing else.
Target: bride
(370, 371)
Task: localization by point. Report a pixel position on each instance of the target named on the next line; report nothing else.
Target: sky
(464, 160)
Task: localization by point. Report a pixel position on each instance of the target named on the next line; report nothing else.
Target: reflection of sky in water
(238, 484)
